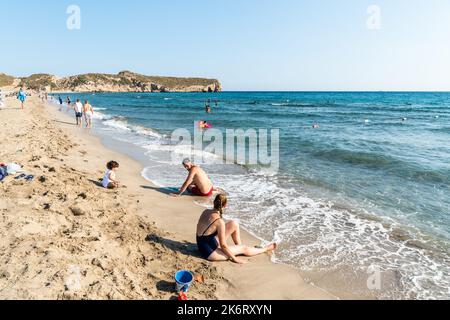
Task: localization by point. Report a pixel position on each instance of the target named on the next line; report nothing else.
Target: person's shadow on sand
(166, 191)
(186, 248)
(64, 122)
(166, 286)
(97, 183)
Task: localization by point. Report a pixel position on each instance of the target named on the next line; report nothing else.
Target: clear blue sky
(247, 44)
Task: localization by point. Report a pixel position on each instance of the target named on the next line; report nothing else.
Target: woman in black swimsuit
(213, 233)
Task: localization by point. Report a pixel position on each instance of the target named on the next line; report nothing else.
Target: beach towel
(13, 168)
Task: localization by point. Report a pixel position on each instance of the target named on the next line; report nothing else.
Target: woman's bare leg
(233, 230)
(219, 255)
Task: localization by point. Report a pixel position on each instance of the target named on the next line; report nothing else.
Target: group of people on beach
(213, 232)
(81, 110)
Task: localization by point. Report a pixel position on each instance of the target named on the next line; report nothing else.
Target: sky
(254, 45)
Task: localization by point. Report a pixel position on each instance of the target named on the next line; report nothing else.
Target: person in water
(197, 181)
(208, 107)
(109, 179)
(69, 102)
(204, 125)
(213, 233)
(22, 96)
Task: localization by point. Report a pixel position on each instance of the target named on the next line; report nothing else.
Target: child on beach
(213, 233)
(109, 180)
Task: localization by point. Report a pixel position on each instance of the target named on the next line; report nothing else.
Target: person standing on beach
(88, 114)
(60, 100)
(69, 102)
(1, 99)
(197, 181)
(22, 96)
(79, 112)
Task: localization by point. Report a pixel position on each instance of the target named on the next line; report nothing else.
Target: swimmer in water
(316, 126)
(204, 125)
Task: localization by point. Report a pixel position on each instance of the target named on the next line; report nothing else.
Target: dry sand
(65, 237)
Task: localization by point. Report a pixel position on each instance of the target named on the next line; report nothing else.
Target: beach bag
(3, 173)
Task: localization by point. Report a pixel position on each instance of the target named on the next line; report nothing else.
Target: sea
(359, 201)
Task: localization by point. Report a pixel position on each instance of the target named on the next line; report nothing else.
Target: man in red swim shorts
(197, 181)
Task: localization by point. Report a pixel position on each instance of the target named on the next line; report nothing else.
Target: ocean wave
(395, 166)
(315, 235)
(121, 123)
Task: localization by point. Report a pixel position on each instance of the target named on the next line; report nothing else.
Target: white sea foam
(317, 236)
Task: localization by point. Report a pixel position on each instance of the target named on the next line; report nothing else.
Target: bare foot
(272, 247)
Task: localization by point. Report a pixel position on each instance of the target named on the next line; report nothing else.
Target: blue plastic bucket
(183, 280)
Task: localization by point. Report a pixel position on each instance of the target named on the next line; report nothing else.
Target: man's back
(201, 179)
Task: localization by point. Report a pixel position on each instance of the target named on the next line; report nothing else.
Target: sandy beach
(65, 237)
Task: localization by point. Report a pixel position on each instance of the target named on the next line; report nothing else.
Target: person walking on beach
(22, 96)
(213, 234)
(69, 102)
(60, 100)
(88, 114)
(79, 112)
(197, 181)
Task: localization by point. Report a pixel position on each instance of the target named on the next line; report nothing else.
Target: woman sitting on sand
(109, 180)
(213, 233)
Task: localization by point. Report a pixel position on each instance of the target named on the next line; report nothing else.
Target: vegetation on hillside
(6, 80)
(125, 81)
(38, 82)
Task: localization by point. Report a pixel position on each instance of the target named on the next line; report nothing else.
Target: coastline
(259, 279)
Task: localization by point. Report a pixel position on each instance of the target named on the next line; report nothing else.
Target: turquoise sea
(368, 189)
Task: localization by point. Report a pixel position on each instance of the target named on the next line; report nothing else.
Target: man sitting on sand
(197, 182)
